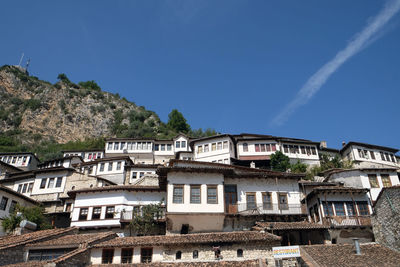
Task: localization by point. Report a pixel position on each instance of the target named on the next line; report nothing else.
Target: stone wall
(386, 219)
(78, 260)
(11, 255)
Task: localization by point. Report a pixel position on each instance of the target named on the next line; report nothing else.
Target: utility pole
(20, 61)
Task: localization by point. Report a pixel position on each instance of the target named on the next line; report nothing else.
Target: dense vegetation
(126, 118)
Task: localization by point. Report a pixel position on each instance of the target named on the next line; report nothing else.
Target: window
(313, 151)
(51, 183)
(3, 203)
(372, 154)
(339, 208)
(292, 149)
(239, 253)
(43, 183)
(262, 147)
(285, 148)
(316, 212)
(387, 157)
(110, 212)
(268, 147)
(19, 190)
(212, 194)
(68, 207)
(200, 149)
(156, 147)
(373, 181)
(351, 211)
(308, 149)
(30, 187)
(96, 213)
(257, 147)
(195, 194)
(245, 147)
(213, 146)
(328, 208)
(141, 174)
(12, 206)
(126, 255)
(382, 156)
(178, 144)
(102, 167)
(109, 146)
(206, 149)
(110, 166)
(46, 254)
(183, 144)
(219, 145)
(122, 145)
(83, 213)
(363, 208)
(178, 255)
(393, 158)
(107, 256)
(134, 175)
(162, 147)
(119, 165)
(116, 146)
(267, 201)
(146, 255)
(195, 254)
(386, 180)
(90, 156)
(303, 149)
(24, 188)
(251, 201)
(169, 147)
(283, 201)
(177, 194)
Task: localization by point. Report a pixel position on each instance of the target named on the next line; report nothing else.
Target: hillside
(38, 116)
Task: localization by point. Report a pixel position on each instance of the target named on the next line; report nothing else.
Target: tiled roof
(290, 225)
(15, 193)
(72, 240)
(203, 238)
(115, 188)
(372, 255)
(16, 240)
(244, 263)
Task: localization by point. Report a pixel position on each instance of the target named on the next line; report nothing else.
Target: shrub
(33, 104)
(92, 85)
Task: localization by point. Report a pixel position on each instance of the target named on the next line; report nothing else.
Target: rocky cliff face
(66, 111)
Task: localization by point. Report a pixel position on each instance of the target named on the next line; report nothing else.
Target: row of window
(224, 161)
(110, 166)
(129, 145)
(56, 163)
(214, 146)
(47, 254)
(14, 159)
(373, 180)
(267, 203)
(195, 194)
(294, 149)
(337, 208)
(260, 147)
(180, 144)
(96, 213)
(4, 202)
(25, 188)
(366, 154)
(162, 147)
(51, 182)
(136, 175)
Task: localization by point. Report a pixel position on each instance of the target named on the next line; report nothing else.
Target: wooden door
(230, 199)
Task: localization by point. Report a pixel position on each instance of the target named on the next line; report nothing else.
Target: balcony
(345, 221)
(264, 208)
(127, 216)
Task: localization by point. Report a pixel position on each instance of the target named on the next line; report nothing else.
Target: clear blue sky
(229, 65)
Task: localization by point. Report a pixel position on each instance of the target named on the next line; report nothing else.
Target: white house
(369, 156)
(86, 155)
(112, 206)
(66, 162)
(373, 179)
(23, 160)
(9, 200)
(215, 149)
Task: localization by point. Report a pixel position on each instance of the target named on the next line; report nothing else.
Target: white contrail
(360, 40)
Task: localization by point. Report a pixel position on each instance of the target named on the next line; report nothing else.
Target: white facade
(86, 155)
(112, 169)
(368, 157)
(67, 162)
(25, 161)
(219, 149)
(360, 179)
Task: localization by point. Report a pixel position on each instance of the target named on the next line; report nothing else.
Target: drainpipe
(357, 246)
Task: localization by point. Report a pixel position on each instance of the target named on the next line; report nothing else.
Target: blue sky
(229, 65)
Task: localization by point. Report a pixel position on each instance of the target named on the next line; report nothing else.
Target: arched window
(239, 253)
(245, 147)
(195, 254)
(178, 255)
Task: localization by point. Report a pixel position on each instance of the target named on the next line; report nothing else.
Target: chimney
(343, 143)
(323, 144)
(357, 246)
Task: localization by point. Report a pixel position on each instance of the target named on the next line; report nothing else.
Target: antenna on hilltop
(20, 61)
(27, 64)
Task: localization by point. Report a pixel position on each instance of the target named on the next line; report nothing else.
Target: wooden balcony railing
(347, 221)
(264, 208)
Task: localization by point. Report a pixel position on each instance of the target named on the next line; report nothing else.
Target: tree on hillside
(177, 122)
(279, 162)
(92, 85)
(63, 77)
(33, 214)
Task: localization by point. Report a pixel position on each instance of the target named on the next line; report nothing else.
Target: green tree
(33, 214)
(63, 77)
(92, 85)
(298, 167)
(146, 221)
(177, 122)
(280, 162)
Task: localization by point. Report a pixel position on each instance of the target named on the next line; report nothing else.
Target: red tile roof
(289, 225)
(372, 255)
(72, 240)
(202, 238)
(244, 263)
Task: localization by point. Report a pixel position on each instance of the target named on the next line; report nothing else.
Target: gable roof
(74, 240)
(19, 153)
(303, 225)
(372, 255)
(9, 166)
(15, 193)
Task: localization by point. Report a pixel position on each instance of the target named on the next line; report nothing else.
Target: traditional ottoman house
(5, 169)
(207, 197)
(204, 248)
(386, 218)
(113, 207)
(138, 172)
(9, 199)
(216, 149)
(24, 160)
(66, 162)
(86, 155)
(373, 179)
(346, 210)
